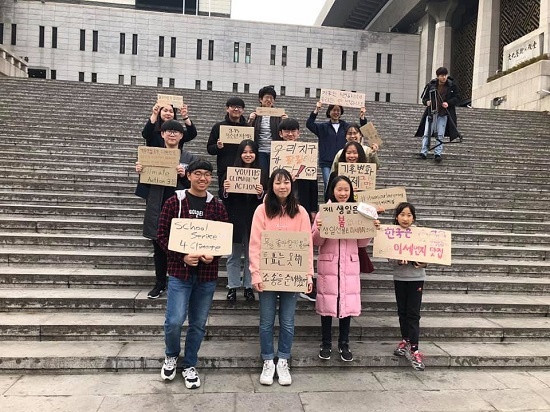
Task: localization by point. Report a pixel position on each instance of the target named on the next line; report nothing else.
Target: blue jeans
(439, 122)
(187, 298)
(264, 159)
(234, 265)
(326, 175)
(268, 310)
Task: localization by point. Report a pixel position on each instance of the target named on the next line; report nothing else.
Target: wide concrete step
(76, 356)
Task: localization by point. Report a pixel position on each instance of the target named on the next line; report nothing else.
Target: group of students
(280, 203)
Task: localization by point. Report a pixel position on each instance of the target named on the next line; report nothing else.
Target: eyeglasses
(236, 107)
(172, 132)
(198, 174)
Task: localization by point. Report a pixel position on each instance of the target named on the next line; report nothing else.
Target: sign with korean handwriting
(284, 260)
(159, 165)
(170, 99)
(362, 175)
(236, 134)
(342, 98)
(243, 179)
(387, 198)
(371, 134)
(270, 111)
(201, 236)
(414, 244)
(299, 158)
(342, 221)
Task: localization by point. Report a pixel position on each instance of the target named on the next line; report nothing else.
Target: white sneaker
(191, 377)
(283, 371)
(168, 371)
(266, 378)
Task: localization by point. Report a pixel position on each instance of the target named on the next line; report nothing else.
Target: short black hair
(267, 90)
(199, 164)
(288, 124)
(331, 106)
(171, 125)
(441, 70)
(402, 206)
(235, 101)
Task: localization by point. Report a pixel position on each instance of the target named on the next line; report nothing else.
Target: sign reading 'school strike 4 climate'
(201, 236)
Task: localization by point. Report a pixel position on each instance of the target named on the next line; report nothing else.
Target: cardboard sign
(371, 134)
(342, 98)
(243, 179)
(170, 99)
(299, 158)
(284, 260)
(342, 221)
(414, 244)
(159, 165)
(201, 236)
(270, 111)
(362, 175)
(387, 198)
(235, 134)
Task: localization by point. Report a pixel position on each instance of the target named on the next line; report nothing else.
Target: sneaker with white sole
(168, 371)
(266, 378)
(345, 353)
(402, 348)
(191, 377)
(416, 358)
(283, 372)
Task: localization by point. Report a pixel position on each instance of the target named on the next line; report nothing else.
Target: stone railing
(11, 65)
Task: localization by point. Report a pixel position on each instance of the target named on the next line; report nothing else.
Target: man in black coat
(448, 96)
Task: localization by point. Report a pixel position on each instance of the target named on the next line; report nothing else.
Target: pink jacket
(338, 275)
(260, 222)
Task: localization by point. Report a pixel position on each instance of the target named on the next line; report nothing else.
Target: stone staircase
(75, 270)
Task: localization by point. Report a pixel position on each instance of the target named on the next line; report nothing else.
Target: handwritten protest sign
(243, 179)
(270, 111)
(413, 244)
(387, 198)
(159, 165)
(170, 99)
(284, 260)
(362, 175)
(371, 134)
(299, 158)
(236, 134)
(342, 98)
(342, 221)
(201, 236)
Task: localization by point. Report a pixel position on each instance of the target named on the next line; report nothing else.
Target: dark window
(248, 53)
(273, 52)
(95, 40)
(308, 57)
(344, 59)
(80, 76)
(320, 59)
(120, 79)
(41, 30)
(14, 34)
(122, 43)
(199, 49)
(134, 43)
(283, 90)
(159, 81)
(378, 62)
(82, 40)
(247, 88)
(173, 47)
(161, 46)
(390, 56)
(197, 84)
(235, 87)
(54, 37)
(354, 63)
(236, 52)
(190, 6)
(209, 85)
(210, 49)
(388, 97)
(1, 33)
(172, 83)
(307, 92)
(317, 93)
(377, 96)
(283, 56)
(53, 74)
(133, 80)
(94, 77)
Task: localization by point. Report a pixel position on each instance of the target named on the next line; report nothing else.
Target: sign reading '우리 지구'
(361, 175)
(387, 198)
(201, 236)
(284, 260)
(415, 244)
(299, 158)
(342, 221)
(243, 179)
(236, 134)
(159, 165)
(342, 98)
(170, 99)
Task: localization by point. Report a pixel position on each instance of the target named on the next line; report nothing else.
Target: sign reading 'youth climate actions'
(299, 158)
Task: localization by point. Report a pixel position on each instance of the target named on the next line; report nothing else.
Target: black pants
(409, 299)
(326, 330)
(161, 263)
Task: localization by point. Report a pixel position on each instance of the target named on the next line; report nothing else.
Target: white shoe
(191, 377)
(168, 371)
(283, 371)
(266, 378)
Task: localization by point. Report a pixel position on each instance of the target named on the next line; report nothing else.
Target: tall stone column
(442, 12)
(486, 55)
(425, 69)
(544, 15)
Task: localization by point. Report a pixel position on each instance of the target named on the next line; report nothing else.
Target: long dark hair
(255, 164)
(333, 184)
(402, 206)
(362, 157)
(159, 121)
(273, 206)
